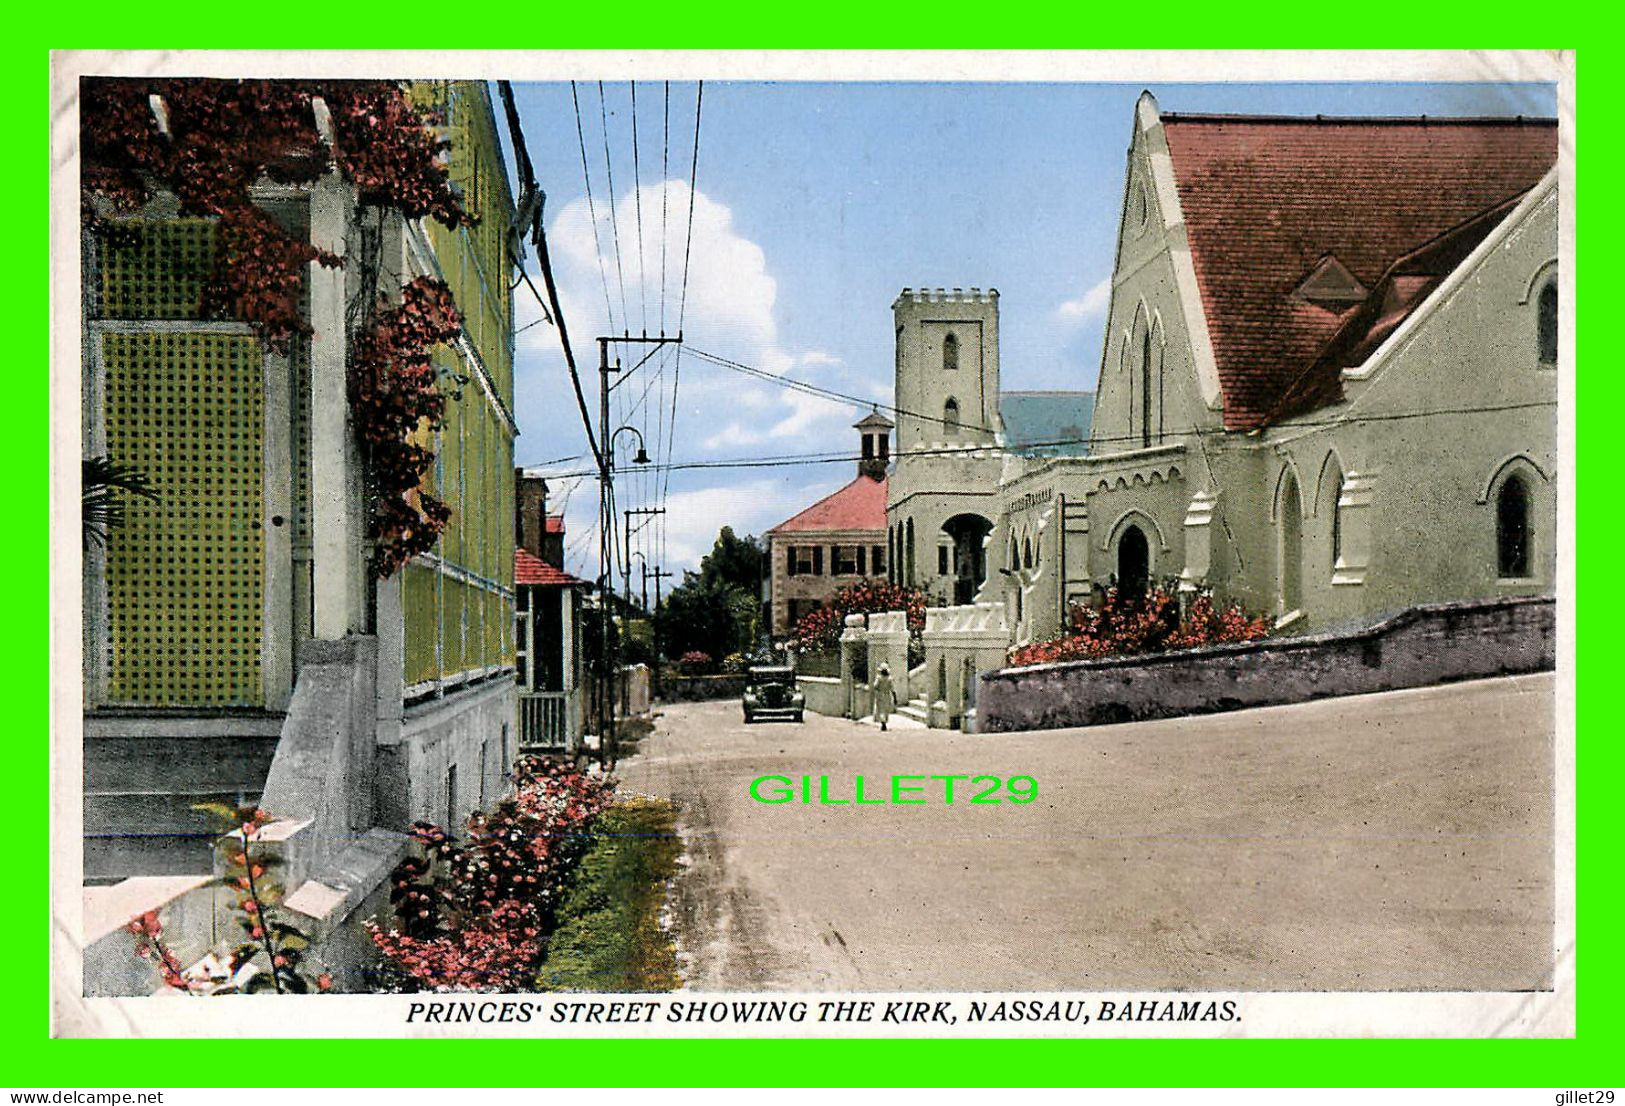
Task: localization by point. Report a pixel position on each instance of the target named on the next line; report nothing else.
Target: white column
(1198, 541)
(334, 463)
(1354, 527)
(276, 522)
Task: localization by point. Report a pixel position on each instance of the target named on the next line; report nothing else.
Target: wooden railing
(550, 719)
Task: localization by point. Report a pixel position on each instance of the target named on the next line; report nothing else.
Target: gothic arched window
(1546, 324)
(950, 414)
(1512, 529)
(1337, 524)
(1145, 388)
(950, 353)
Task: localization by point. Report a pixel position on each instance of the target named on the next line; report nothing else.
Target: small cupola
(875, 432)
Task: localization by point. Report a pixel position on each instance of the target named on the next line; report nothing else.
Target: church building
(1328, 388)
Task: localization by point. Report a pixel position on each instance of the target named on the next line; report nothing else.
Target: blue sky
(815, 204)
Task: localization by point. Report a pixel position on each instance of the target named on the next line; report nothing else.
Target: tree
(717, 610)
(734, 562)
(700, 617)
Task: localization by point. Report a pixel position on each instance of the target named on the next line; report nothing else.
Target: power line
(532, 200)
(783, 460)
(592, 208)
(637, 202)
(665, 173)
(614, 223)
(682, 303)
(827, 393)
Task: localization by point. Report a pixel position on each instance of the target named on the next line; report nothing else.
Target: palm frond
(104, 484)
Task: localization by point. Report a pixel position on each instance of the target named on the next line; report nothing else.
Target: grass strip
(609, 936)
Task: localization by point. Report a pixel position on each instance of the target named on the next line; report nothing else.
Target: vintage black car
(772, 693)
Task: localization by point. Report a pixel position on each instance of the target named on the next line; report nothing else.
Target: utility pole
(626, 563)
(654, 622)
(608, 645)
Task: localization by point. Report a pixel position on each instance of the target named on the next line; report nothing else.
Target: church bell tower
(947, 382)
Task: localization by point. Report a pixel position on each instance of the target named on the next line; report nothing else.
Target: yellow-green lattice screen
(421, 614)
(154, 269)
(184, 574)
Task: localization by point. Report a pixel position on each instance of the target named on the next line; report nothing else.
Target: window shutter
(863, 568)
(790, 559)
(818, 560)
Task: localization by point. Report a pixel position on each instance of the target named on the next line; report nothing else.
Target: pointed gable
(1269, 202)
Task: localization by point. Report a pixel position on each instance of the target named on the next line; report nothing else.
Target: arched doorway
(968, 564)
(1289, 566)
(1133, 562)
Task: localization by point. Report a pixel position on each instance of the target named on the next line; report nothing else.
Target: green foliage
(103, 485)
(701, 617)
(734, 562)
(609, 936)
(718, 610)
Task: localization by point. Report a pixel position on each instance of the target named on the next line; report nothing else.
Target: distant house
(839, 540)
(548, 620)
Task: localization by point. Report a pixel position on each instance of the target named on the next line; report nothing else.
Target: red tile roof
(1267, 199)
(532, 570)
(861, 505)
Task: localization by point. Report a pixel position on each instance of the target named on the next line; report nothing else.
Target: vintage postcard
(683, 544)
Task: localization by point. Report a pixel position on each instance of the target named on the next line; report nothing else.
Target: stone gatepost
(854, 655)
(888, 645)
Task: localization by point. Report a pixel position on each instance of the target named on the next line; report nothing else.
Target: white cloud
(730, 311)
(730, 294)
(1091, 303)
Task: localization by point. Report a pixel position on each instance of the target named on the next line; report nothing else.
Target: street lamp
(639, 458)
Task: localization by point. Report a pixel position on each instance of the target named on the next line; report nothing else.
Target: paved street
(1397, 841)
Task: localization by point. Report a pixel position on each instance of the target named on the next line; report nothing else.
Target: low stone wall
(692, 689)
(825, 695)
(1434, 644)
(819, 664)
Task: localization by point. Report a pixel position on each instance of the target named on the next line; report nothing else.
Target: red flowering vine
(1125, 625)
(394, 392)
(208, 142)
(475, 915)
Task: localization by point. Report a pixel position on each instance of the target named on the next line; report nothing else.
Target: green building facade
(232, 625)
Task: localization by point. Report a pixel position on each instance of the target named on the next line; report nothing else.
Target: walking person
(885, 696)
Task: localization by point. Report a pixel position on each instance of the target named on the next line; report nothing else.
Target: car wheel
(748, 718)
(798, 716)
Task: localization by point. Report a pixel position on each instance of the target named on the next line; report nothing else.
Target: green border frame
(35, 1060)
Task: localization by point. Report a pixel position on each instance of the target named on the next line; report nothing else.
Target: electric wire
(782, 460)
(614, 223)
(682, 303)
(637, 203)
(592, 208)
